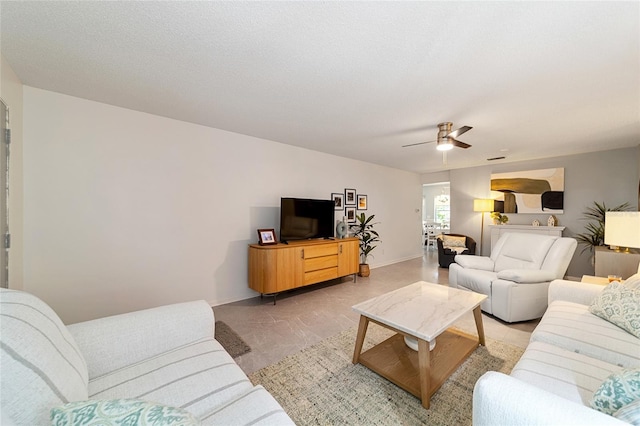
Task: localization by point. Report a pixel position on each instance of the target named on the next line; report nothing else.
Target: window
(441, 211)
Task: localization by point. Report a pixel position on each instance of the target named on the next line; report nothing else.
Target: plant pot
(364, 270)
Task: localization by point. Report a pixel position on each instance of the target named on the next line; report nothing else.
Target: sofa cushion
(570, 375)
(571, 326)
(198, 377)
(147, 333)
(42, 366)
(468, 261)
(523, 251)
(526, 275)
(256, 406)
(620, 305)
(120, 412)
(617, 390)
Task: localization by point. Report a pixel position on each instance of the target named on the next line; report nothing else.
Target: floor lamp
(482, 205)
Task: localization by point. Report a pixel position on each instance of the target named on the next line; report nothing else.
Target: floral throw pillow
(617, 391)
(120, 412)
(620, 305)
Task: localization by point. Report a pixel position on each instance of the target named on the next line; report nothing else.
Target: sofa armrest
(524, 276)
(110, 343)
(573, 291)
(499, 399)
(469, 261)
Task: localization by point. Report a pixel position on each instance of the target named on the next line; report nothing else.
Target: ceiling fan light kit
(444, 145)
(446, 138)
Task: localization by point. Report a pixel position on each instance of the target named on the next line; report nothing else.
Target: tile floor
(306, 316)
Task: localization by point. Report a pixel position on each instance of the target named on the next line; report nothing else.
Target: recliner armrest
(527, 276)
(474, 262)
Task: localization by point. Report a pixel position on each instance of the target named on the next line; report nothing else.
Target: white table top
(421, 309)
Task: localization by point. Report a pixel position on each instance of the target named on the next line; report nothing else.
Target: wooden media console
(280, 267)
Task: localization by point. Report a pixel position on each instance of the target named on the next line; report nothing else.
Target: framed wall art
(532, 191)
(349, 197)
(350, 212)
(362, 202)
(338, 200)
(266, 237)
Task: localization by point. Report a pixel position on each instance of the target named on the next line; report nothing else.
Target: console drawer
(320, 250)
(320, 263)
(320, 275)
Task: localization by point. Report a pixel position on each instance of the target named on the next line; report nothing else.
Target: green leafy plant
(499, 217)
(594, 235)
(363, 229)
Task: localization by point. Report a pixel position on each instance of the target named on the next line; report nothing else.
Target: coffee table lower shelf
(399, 364)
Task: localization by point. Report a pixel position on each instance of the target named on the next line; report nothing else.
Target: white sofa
(167, 355)
(516, 276)
(570, 354)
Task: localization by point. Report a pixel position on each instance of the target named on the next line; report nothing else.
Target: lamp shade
(622, 229)
(483, 205)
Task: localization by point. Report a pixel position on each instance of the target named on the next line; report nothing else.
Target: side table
(592, 279)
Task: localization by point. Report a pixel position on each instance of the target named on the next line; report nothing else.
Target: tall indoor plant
(594, 235)
(363, 229)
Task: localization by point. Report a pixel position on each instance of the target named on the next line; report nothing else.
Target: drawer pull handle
(340, 248)
(302, 254)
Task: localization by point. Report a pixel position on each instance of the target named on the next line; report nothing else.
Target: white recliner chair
(516, 276)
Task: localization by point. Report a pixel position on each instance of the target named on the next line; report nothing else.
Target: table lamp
(482, 205)
(622, 230)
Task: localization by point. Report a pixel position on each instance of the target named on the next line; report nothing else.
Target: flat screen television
(303, 219)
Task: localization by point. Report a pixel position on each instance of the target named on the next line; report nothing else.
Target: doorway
(436, 212)
(436, 201)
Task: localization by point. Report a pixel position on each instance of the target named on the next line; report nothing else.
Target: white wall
(125, 210)
(11, 93)
(605, 176)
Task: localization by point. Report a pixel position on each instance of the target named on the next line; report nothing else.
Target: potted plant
(499, 218)
(363, 229)
(594, 235)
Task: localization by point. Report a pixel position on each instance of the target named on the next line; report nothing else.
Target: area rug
(320, 386)
(230, 340)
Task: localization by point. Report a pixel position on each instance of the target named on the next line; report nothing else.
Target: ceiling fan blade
(461, 144)
(419, 143)
(461, 130)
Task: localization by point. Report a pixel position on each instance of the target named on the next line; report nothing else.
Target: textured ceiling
(355, 79)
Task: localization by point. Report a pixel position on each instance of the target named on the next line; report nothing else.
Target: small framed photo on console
(267, 236)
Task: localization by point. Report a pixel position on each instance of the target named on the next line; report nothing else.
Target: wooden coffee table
(423, 311)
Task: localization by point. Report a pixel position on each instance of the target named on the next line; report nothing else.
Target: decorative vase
(364, 270)
(341, 229)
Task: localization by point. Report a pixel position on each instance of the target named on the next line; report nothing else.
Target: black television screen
(302, 219)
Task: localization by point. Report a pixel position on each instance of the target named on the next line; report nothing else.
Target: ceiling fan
(447, 138)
